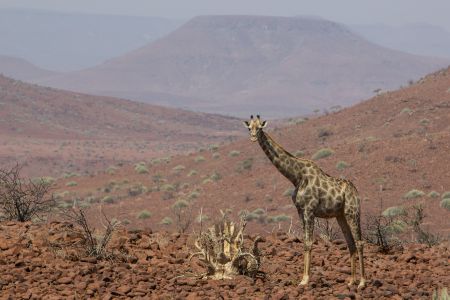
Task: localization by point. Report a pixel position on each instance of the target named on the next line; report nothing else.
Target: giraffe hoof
(362, 284)
(351, 282)
(304, 281)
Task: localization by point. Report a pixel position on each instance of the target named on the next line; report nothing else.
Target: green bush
(216, 176)
(412, 194)
(136, 190)
(213, 147)
(424, 122)
(192, 173)
(322, 153)
(216, 155)
(111, 170)
(166, 221)
(141, 168)
(179, 168)
(446, 195)
(278, 219)
(72, 183)
(108, 199)
(406, 111)
(394, 211)
(207, 180)
(396, 227)
(299, 153)
(288, 192)
(445, 203)
(202, 218)
(341, 165)
(199, 159)
(433, 194)
(47, 180)
(179, 204)
(145, 214)
(234, 153)
(259, 211)
(168, 187)
(246, 164)
(193, 195)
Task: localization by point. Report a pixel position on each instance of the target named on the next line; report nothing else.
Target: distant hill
(18, 68)
(55, 131)
(422, 39)
(278, 66)
(72, 41)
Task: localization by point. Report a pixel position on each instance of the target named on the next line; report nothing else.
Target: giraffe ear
(263, 124)
(246, 124)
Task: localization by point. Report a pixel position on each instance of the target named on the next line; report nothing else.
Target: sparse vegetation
(322, 153)
(299, 153)
(433, 194)
(111, 170)
(71, 183)
(278, 218)
(108, 199)
(446, 195)
(394, 211)
(406, 111)
(192, 173)
(199, 159)
(166, 221)
(168, 187)
(234, 153)
(445, 203)
(289, 192)
(216, 176)
(341, 165)
(144, 214)
(216, 155)
(177, 169)
(141, 168)
(246, 165)
(412, 194)
(213, 147)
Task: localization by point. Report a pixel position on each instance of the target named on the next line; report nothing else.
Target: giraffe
(316, 194)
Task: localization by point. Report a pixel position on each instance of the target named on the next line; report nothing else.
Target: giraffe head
(254, 126)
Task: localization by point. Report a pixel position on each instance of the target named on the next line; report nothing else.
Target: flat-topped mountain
(282, 66)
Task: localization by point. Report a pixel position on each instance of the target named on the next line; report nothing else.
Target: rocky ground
(155, 266)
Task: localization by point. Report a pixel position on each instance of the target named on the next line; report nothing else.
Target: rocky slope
(50, 129)
(157, 267)
(387, 146)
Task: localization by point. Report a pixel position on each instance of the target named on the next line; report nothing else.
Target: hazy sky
(391, 12)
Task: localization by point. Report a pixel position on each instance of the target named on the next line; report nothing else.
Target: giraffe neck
(286, 163)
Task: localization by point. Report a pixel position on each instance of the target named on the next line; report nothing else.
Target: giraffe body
(316, 194)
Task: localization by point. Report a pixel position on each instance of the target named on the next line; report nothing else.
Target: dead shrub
(23, 199)
(90, 244)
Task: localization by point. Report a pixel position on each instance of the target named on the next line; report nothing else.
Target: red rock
(64, 280)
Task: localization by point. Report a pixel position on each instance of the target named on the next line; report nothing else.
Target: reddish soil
(393, 143)
(156, 267)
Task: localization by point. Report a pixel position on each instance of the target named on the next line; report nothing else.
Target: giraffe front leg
(360, 247)
(308, 229)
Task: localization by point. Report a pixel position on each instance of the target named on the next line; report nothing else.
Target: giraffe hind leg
(346, 230)
(355, 227)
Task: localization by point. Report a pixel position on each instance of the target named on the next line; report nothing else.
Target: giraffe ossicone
(317, 195)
